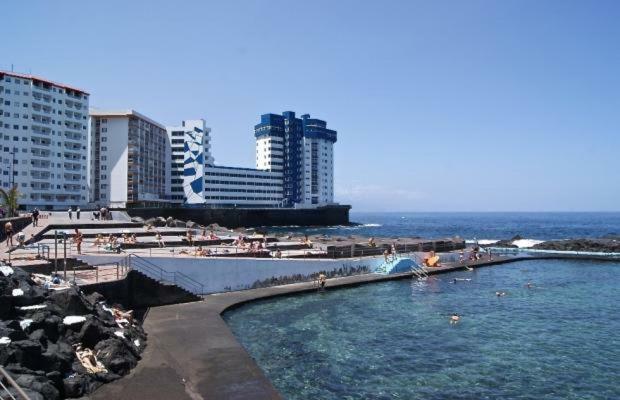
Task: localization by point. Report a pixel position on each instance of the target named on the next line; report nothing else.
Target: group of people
(110, 243)
(77, 213)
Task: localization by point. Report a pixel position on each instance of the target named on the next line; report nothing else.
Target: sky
(439, 105)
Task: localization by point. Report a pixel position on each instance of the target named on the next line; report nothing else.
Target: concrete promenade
(192, 354)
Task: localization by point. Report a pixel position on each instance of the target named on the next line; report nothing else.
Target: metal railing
(119, 269)
(9, 389)
(156, 272)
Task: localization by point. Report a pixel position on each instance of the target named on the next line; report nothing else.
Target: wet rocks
(40, 329)
(603, 245)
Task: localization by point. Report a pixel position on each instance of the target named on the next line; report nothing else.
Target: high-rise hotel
(43, 141)
(303, 151)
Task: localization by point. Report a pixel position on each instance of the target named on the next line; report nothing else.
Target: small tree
(10, 199)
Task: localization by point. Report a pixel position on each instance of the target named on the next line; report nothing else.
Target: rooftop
(43, 80)
(94, 112)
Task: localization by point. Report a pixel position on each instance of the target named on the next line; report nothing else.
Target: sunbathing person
(189, 237)
(159, 240)
(98, 240)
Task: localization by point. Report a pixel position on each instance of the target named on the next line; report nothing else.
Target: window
(104, 139)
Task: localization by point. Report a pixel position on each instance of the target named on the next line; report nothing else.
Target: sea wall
(225, 274)
(251, 217)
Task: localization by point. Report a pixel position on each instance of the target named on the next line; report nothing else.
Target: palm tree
(10, 199)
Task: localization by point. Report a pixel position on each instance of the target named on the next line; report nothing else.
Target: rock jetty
(603, 245)
(61, 343)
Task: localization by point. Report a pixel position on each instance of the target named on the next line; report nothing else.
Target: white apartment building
(43, 141)
(242, 187)
(189, 153)
(129, 159)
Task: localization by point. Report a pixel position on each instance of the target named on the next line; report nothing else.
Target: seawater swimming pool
(556, 340)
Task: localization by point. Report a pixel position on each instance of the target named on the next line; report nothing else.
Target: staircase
(155, 272)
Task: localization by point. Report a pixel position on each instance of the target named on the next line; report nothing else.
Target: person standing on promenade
(70, 212)
(77, 213)
(8, 231)
(78, 240)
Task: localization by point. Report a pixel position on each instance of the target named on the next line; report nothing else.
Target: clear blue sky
(439, 105)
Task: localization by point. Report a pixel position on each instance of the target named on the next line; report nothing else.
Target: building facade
(242, 187)
(190, 152)
(44, 139)
(129, 159)
(302, 150)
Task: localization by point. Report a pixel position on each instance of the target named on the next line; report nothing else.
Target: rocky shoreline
(61, 343)
(607, 244)
(602, 245)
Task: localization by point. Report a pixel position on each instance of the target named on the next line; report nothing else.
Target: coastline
(193, 354)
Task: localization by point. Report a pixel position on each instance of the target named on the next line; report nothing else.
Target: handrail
(175, 277)
(11, 383)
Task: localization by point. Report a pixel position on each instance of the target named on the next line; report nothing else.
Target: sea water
(556, 340)
(475, 225)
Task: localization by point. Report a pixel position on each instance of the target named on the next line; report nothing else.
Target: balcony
(40, 175)
(40, 153)
(40, 142)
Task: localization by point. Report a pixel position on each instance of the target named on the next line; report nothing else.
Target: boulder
(138, 220)
(92, 332)
(191, 225)
(116, 355)
(75, 385)
(40, 384)
(170, 222)
(71, 302)
(58, 357)
(26, 353)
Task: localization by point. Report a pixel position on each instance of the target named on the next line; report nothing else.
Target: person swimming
(454, 319)
(528, 285)
(500, 294)
(322, 281)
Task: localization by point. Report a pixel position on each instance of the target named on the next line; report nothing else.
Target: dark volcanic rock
(41, 353)
(504, 243)
(71, 301)
(117, 355)
(40, 384)
(590, 245)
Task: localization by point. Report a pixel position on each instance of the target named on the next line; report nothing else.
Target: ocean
(475, 225)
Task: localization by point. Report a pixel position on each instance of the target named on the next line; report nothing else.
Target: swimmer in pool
(454, 319)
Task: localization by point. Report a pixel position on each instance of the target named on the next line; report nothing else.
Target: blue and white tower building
(302, 150)
(190, 152)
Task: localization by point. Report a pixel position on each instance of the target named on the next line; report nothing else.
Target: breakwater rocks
(61, 343)
(603, 245)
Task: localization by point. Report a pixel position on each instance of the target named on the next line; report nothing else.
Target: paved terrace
(192, 354)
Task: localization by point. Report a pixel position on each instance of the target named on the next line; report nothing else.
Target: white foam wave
(526, 243)
(482, 241)
(372, 225)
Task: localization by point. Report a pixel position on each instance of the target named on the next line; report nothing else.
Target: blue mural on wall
(193, 163)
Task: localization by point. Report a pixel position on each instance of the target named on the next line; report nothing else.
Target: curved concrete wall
(224, 274)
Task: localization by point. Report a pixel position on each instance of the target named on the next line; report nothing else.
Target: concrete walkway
(192, 354)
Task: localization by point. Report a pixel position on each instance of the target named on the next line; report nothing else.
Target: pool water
(559, 339)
